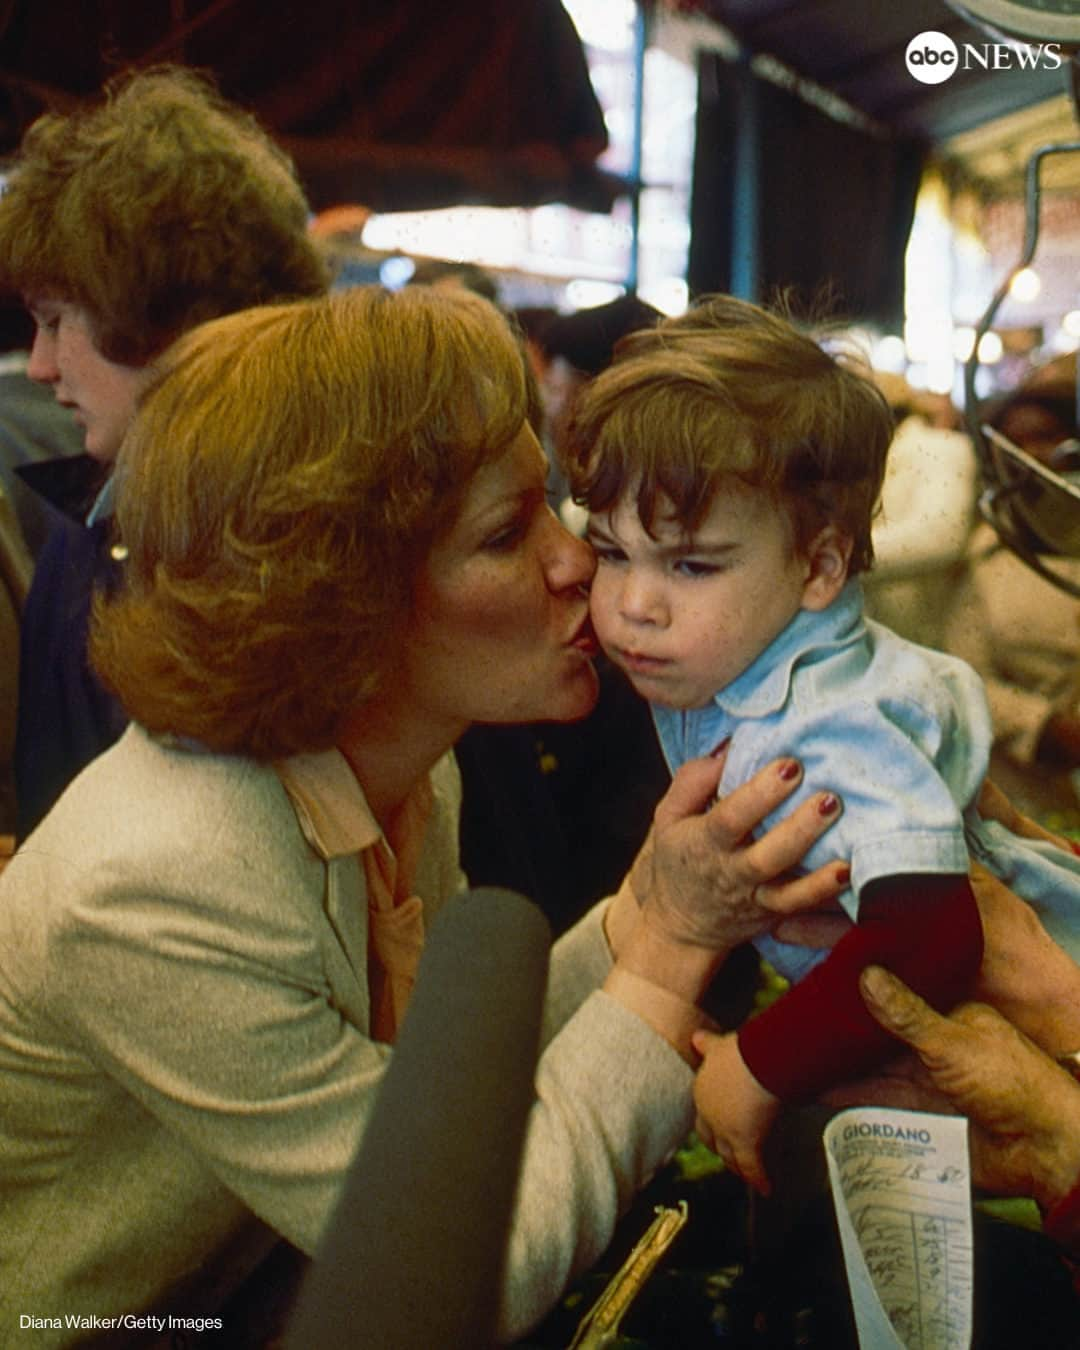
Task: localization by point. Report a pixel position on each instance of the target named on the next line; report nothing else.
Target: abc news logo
(932, 57)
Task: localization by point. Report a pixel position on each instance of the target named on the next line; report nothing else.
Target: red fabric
(390, 105)
(925, 929)
(1062, 1223)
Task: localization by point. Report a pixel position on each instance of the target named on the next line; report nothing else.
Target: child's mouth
(637, 663)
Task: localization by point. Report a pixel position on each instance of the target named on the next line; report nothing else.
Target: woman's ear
(827, 558)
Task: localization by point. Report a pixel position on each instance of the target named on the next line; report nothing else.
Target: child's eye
(691, 567)
(607, 553)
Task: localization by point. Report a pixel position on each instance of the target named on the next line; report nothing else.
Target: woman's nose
(570, 560)
(41, 365)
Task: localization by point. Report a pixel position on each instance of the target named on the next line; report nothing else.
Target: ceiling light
(1025, 285)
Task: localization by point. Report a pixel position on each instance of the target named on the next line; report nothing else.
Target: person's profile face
(499, 629)
(100, 393)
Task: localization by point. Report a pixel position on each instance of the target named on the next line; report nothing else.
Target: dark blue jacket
(65, 717)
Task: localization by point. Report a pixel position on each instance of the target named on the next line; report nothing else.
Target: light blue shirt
(901, 733)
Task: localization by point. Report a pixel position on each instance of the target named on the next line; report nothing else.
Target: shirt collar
(764, 685)
(104, 503)
(329, 803)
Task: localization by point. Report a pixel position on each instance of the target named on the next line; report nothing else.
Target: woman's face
(101, 393)
(499, 630)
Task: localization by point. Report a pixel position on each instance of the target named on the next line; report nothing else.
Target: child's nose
(641, 599)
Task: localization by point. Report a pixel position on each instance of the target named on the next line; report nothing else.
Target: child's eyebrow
(703, 548)
(681, 548)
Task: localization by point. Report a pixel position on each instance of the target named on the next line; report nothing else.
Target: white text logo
(932, 57)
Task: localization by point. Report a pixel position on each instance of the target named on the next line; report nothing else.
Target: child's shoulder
(884, 670)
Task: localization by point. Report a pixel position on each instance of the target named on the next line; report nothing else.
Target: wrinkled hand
(735, 1113)
(702, 880)
(1025, 975)
(1024, 1110)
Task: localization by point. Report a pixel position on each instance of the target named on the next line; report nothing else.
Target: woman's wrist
(621, 918)
(685, 969)
(660, 979)
(669, 1015)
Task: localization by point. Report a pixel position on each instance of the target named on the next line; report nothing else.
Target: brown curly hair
(284, 478)
(730, 390)
(159, 207)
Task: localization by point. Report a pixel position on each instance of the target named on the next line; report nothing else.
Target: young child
(731, 468)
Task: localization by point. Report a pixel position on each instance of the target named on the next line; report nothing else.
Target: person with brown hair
(731, 465)
(122, 225)
(339, 555)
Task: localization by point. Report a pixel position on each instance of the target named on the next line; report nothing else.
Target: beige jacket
(184, 1052)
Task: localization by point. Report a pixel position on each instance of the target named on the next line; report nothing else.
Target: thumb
(749, 1165)
(895, 1008)
(692, 789)
(702, 1040)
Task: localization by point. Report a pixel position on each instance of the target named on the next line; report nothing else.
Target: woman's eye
(506, 538)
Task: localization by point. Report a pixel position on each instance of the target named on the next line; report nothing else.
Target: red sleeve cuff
(925, 929)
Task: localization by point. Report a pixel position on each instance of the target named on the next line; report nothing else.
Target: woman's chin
(576, 700)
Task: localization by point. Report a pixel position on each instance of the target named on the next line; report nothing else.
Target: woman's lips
(585, 640)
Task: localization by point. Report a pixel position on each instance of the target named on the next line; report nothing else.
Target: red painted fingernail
(843, 875)
(789, 770)
(829, 805)
(719, 750)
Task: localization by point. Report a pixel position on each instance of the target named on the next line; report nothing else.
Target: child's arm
(925, 928)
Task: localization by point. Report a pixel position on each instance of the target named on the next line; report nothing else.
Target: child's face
(684, 615)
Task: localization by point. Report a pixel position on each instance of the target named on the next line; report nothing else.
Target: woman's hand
(709, 882)
(704, 885)
(1024, 1109)
(701, 886)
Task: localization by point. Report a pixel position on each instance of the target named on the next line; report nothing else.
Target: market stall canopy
(814, 116)
(857, 50)
(399, 106)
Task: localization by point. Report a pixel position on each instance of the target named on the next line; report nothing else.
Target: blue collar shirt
(901, 733)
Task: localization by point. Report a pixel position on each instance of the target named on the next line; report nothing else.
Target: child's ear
(827, 557)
